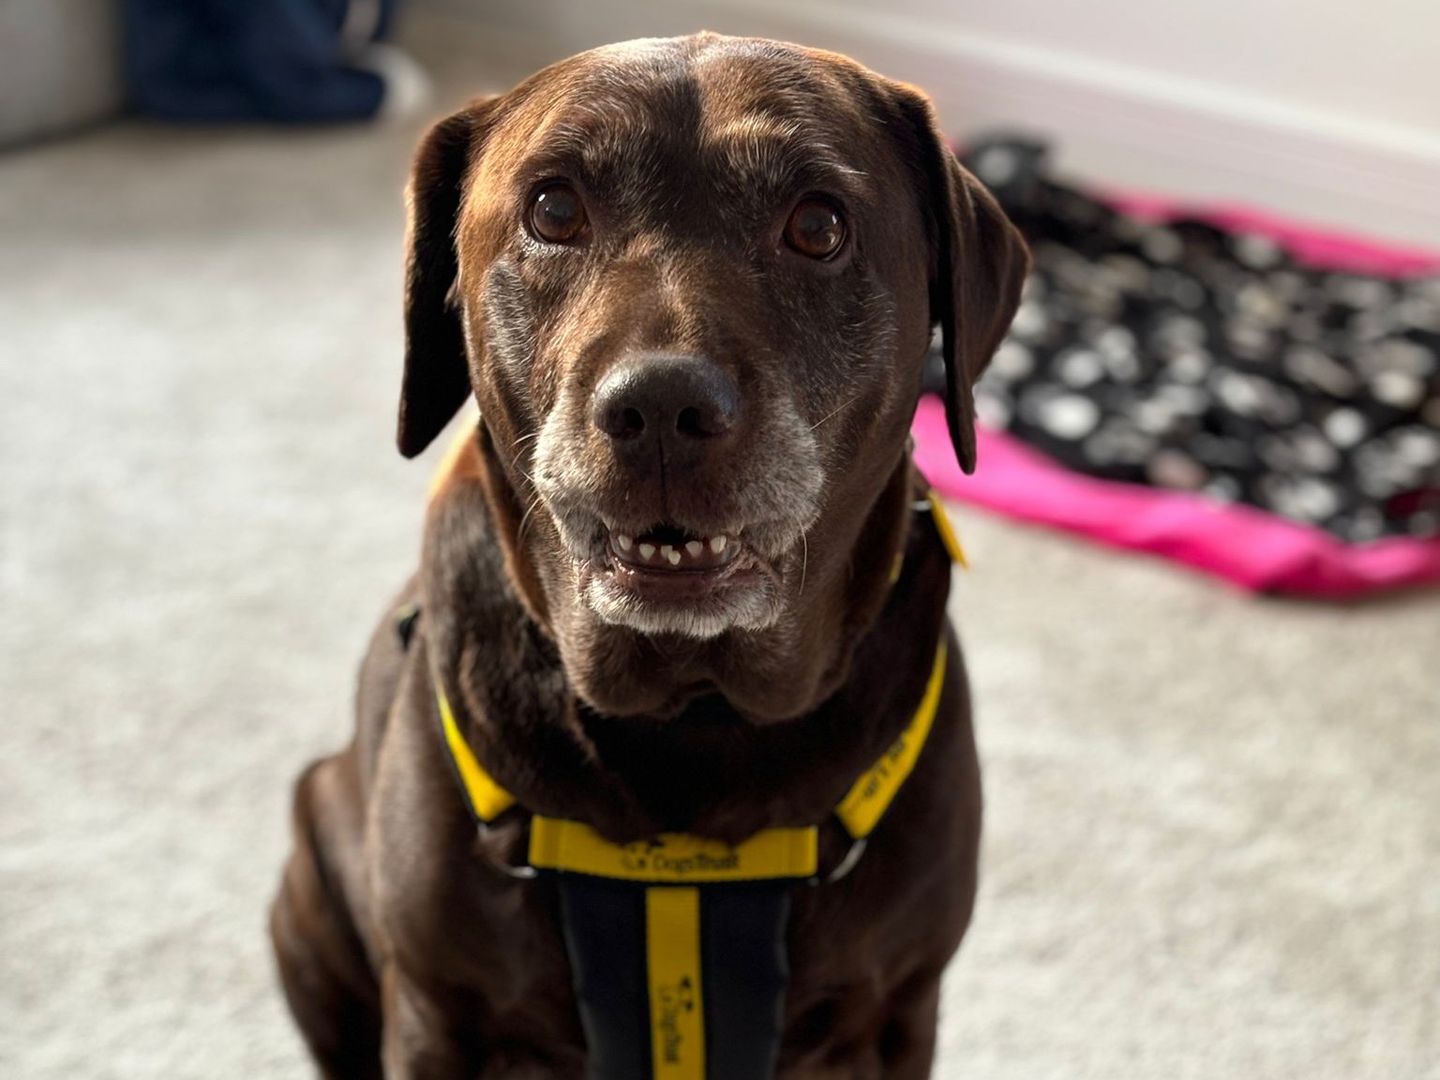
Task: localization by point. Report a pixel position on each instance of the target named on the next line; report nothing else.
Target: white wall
(1327, 110)
(1374, 60)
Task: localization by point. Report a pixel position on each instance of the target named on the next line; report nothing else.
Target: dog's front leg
(424, 1039)
(907, 1043)
(419, 1041)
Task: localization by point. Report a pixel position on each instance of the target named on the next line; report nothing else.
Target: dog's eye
(816, 229)
(556, 213)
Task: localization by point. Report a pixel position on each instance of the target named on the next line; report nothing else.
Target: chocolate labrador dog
(674, 579)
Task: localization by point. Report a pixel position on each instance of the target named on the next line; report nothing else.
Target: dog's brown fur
(400, 939)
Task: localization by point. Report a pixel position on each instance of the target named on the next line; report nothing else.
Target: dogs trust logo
(660, 856)
(637, 856)
(675, 1001)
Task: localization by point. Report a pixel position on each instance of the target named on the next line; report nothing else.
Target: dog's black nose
(678, 401)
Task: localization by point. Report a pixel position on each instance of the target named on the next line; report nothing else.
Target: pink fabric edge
(1252, 549)
(1322, 248)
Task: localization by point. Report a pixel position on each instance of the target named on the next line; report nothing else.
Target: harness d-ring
(848, 863)
(522, 872)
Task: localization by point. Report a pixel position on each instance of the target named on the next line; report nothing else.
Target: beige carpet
(1212, 847)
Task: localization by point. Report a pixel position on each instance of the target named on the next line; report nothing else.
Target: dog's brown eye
(557, 214)
(815, 229)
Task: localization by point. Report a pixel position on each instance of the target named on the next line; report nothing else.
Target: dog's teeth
(647, 550)
(717, 544)
(624, 541)
(671, 554)
(694, 547)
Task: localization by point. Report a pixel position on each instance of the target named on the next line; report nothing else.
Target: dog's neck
(852, 664)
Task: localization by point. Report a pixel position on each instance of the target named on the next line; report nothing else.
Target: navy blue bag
(279, 60)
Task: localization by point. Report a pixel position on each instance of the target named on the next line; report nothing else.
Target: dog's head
(691, 283)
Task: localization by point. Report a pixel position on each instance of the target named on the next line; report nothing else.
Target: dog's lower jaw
(746, 591)
(754, 606)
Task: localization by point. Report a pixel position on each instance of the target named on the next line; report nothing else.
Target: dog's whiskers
(525, 520)
(515, 454)
(836, 412)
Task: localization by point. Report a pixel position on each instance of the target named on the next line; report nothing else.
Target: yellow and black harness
(677, 943)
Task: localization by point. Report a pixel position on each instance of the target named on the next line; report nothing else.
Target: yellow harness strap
(674, 984)
(673, 858)
(488, 800)
(871, 795)
(948, 536)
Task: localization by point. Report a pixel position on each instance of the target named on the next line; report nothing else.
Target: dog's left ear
(437, 376)
(978, 265)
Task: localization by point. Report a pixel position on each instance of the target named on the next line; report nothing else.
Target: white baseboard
(1111, 124)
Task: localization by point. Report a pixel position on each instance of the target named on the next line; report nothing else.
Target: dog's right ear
(437, 376)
